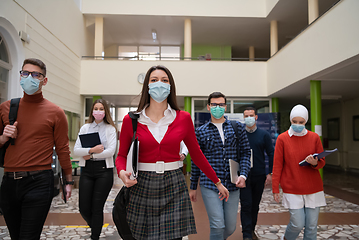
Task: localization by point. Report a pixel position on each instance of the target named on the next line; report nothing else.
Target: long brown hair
(107, 119)
(145, 96)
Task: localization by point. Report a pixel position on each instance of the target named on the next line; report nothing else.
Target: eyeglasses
(26, 74)
(217, 104)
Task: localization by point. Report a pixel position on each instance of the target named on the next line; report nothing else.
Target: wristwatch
(69, 182)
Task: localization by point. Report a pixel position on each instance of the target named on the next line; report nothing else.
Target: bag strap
(14, 106)
(134, 118)
(235, 128)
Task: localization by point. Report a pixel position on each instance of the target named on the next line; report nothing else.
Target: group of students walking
(160, 203)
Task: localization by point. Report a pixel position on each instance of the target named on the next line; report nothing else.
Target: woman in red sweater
(302, 185)
(160, 207)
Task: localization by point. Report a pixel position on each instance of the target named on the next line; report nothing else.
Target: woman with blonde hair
(97, 166)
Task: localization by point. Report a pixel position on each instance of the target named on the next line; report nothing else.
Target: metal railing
(138, 58)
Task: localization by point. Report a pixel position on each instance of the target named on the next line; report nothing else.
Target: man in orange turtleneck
(27, 186)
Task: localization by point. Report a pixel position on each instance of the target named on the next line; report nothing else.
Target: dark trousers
(26, 202)
(95, 184)
(250, 198)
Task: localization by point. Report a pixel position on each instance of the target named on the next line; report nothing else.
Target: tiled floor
(338, 220)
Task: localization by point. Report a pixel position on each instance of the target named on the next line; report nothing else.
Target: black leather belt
(19, 175)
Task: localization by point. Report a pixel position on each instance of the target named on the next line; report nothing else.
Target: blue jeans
(95, 184)
(299, 218)
(222, 215)
(26, 202)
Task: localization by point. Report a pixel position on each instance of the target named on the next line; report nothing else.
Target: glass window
(4, 75)
(201, 106)
(121, 113)
(75, 126)
(3, 51)
(127, 52)
(149, 52)
(89, 102)
(240, 105)
(170, 53)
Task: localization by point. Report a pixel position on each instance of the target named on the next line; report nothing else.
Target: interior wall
(111, 51)
(219, 52)
(348, 156)
(328, 41)
(227, 8)
(58, 39)
(193, 78)
(332, 111)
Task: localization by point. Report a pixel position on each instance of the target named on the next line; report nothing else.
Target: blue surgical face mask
(250, 121)
(159, 91)
(297, 127)
(30, 84)
(217, 112)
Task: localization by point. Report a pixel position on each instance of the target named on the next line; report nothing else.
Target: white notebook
(132, 159)
(234, 170)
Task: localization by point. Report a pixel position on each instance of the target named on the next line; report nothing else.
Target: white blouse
(108, 137)
(159, 129)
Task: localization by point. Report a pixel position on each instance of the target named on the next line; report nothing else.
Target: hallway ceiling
(136, 29)
(339, 81)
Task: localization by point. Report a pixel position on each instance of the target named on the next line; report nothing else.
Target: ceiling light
(154, 35)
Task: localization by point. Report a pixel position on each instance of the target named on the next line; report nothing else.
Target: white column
(187, 38)
(313, 10)
(251, 53)
(98, 36)
(273, 37)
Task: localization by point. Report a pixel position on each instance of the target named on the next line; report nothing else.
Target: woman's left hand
(223, 192)
(87, 157)
(313, 161)
(276, 197)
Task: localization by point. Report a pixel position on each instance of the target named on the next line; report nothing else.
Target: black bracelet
(69, 182)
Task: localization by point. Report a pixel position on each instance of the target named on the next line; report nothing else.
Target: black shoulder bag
(14, 106)
(119, 211)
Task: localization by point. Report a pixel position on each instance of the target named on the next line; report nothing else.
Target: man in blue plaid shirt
(219, 143)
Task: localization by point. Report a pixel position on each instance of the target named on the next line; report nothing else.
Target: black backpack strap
(134, 118)
(14, 106)
(235, 127)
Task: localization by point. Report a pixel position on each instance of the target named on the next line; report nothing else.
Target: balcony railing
(138, 58)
